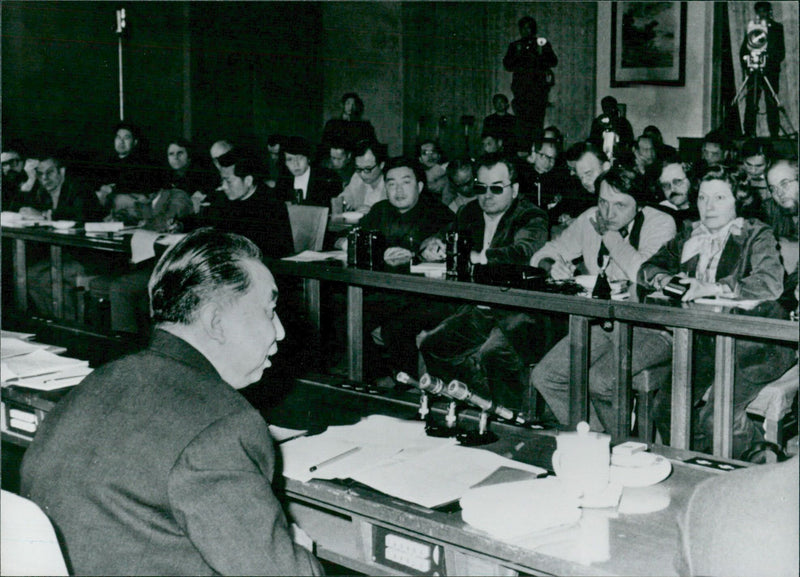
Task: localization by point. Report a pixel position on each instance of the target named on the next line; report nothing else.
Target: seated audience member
(611, 121)
(461, 176)
(160, 211)
(616, 236)
(664, 152)
(367, 185)
(276, 164)
(743, 523)
(753, 190)
(586, 162)
(721, 255)
(246, 207)
(429, 156)
(155, 464)
(406, 218)
(306, 184)
(481, 346)
(184, 172)
(500, 122)
(713, 152)
(61, 196)
(678, 183)
(350, 128)
(539, 182)
(219, 149)
(491, 143)
(645, 156)
(19, 176)
(553, 133)
(128, 169)
(339, 159)
(782, 180)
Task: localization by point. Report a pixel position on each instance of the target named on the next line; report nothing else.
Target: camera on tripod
(757, 43)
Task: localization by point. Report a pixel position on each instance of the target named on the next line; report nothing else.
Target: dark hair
(527, 20)
(337, 141)
(492, 133)
(422, 143)
(757, 147)
(715, 137)
(458, 164)
(608, 101)
(540, 142)
(762, 6)
(577, 150)
(129, 127)
(408, 162)
(499, 95)
(183, 143)
(358, 108)
(493, 159)
(625, 180)
(298, 145)
(244, 164)
(274, 139)
(207, 265)
(362, 146)
(654, 133)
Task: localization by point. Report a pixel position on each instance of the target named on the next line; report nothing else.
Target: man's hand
(600, 224)
(198, 199)
(699, 289)
(561, 269)
(103, 193)
(31, 213)
(433, 249)
(397, 255)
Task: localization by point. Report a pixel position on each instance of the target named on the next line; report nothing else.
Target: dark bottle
(353, 241)
(602, 290)
(457, 247)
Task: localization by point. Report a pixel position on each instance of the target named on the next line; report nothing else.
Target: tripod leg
(781, 109)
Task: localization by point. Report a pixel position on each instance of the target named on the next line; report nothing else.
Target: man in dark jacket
(530, 59)
(305, 184)
(154, 464)
(480, 345)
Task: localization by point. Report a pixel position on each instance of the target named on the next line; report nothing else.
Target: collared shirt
(491, 227)
(301, 182)
(360, 196)
(708, 246)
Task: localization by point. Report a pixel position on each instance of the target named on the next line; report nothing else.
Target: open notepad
(395, 457)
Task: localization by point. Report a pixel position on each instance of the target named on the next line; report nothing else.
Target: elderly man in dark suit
(155, 465)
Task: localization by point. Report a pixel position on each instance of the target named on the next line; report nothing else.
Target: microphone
(461, 392)
(426, 383)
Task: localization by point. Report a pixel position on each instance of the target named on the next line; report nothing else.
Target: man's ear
(210, 318)
(514, 190)
(248, 181)
(420, 186)
(62, 171)
(606, 165)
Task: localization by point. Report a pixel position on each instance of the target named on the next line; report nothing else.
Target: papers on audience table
(143, 243)
(395, 457)
(430, 269)
(314, 256)
(30, 365)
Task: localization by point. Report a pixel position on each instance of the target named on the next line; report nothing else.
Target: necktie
(603, 252)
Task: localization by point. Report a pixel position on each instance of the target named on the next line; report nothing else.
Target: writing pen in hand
(334, 459)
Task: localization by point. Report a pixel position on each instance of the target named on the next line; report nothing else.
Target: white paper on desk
(439, 476)
(430, 269)
(52, 381)
(314, 256)
(39, 362)
(13, 347)
(299, 455)
(103, 226)
(723, 302)
(15, 335)
(142, 243)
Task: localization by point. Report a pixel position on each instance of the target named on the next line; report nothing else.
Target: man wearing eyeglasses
(367, 185)
(785, 190)
(481, 346)
(538, 180)
(677, 183)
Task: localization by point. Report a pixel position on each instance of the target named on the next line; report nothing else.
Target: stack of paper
(314, 256)
(30, 365)
(395, 457)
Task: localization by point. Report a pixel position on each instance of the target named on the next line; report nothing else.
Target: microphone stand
(120, 28)
(430, 385)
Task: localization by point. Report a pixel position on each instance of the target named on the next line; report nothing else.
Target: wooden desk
(681, 319)
(57, 239)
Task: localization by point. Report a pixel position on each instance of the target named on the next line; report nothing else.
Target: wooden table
(682, 319)
(57, 240)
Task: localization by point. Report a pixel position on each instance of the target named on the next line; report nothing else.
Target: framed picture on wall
(648, 43)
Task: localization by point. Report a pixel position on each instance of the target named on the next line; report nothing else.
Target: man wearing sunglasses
(481, 346)
(616, 236)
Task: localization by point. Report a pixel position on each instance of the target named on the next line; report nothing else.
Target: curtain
(739, 14)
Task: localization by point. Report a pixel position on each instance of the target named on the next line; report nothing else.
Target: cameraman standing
(530, 59)
(754, 63)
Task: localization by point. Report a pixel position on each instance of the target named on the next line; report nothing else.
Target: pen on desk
(334, 459)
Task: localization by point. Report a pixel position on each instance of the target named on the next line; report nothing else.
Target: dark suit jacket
(155, 466)
(521, 232)
(323, 185)
(75, 202)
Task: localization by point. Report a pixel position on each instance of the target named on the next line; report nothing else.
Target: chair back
(308, 226)
(28, 543)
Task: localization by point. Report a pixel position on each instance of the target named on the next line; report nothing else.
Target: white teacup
(582, 460)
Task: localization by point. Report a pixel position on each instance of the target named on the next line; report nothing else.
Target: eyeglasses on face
(782, 185)
(366, 169)
(479, 188)
(667, 185)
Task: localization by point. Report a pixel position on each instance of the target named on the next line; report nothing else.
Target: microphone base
(433, 430)
(475, 438)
